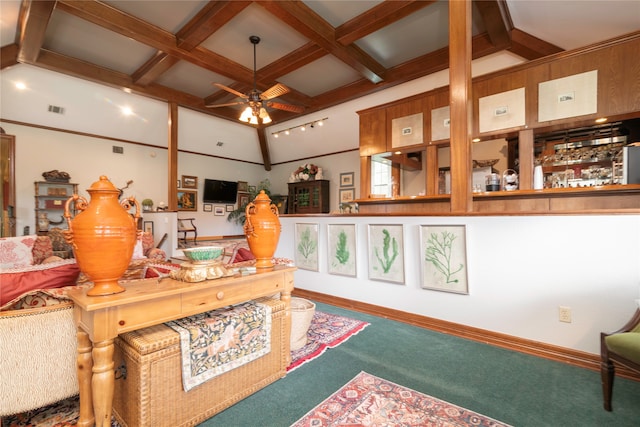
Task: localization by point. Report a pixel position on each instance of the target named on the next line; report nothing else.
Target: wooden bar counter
(150, 302)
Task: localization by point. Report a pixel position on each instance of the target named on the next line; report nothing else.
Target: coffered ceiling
(326, 52)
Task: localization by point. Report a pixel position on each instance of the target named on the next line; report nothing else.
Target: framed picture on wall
(341, 248)
(346, 179)
(443, 254)
(386, 252)
(306, 246)
(148, 227)
(187, 200)
(189, 181)
(218, 210)
(207, 207)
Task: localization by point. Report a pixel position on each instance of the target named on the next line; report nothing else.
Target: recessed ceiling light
(127, 111)
(20, 86)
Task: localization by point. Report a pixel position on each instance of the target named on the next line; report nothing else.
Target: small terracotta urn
(103, 235)
(262, 228)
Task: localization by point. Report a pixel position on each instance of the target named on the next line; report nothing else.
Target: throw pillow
(19, 281)
(16, 251)
(243, 255)
(42, 249)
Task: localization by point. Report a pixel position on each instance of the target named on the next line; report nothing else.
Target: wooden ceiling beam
(154, 68)
(35, 17)
(376, 18)
(497, 21)
(150, 35)
(8, 56)
(207, 21)
(264, 147)
(530, 47)
(303, 19)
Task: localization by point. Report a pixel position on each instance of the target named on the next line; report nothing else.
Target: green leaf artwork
(306, 246)
(438, 253)
(388, 244)
(342, 253)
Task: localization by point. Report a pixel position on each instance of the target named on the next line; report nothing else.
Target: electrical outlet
(564, 314)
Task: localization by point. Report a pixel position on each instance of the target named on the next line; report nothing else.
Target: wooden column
(432, 174)
(526, 157)
(460, 104)
(172, 154)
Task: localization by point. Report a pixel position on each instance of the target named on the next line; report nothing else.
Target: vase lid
(103, 184)
(262, 197)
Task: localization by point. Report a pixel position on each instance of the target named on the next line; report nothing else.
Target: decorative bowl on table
(203, 254)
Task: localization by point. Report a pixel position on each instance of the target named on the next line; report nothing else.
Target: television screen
(218, 191)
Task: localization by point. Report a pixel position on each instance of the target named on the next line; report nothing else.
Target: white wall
(520, 269)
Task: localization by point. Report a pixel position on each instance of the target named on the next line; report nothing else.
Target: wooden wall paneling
(373, 131)
(435, 99)
(493, 86)
(535, 75)
(409, 107)
(619, 80)
(525, 159)
(510, 204)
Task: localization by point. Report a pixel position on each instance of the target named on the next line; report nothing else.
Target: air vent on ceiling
(56, 109)
(118, 150)
(220, 144)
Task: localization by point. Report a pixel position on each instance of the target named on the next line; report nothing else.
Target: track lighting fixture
(302, 127)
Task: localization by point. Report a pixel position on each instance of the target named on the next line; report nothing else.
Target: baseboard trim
(509, 342)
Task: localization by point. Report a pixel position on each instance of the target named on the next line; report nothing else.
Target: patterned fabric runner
(218, 341)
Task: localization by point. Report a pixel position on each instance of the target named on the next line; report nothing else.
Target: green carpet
(514, 388)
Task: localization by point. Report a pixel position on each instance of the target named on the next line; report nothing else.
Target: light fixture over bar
(303, 127)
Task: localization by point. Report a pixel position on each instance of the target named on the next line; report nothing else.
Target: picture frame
(243, 199)
(207, 207)
(341, 249)
(243, 186)
(281, 202)
(187, 200)
(386, 252)
(306, 246)
(346, 195)
(230, 208)
(443, 254)
(189, 181)
(148, 227)
(178, 184)
(218, 210)
(252, 189)
(346, 179)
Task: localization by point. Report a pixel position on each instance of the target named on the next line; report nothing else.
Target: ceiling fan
(256, 100)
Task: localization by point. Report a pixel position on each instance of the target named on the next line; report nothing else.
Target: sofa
(36, 317)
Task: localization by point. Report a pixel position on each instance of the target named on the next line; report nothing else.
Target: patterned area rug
(367, 400)
(326, 331)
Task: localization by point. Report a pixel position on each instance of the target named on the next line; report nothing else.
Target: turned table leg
(102, 383)
(84, 368)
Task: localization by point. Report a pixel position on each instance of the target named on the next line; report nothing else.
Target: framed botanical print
(386, 252)
(306, 246)
(341, 247)
(187, 200)
(443, 253)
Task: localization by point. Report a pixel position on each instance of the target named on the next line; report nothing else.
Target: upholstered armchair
(620, 348)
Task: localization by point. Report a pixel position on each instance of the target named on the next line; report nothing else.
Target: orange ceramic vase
(103, 235)
(262, 228)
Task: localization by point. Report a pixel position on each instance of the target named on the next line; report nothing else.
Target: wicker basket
(152, 393)
(302, 312)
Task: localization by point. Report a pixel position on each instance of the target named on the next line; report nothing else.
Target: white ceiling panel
(78, 38)
(170, 15)
(321, 76)
(192, 79)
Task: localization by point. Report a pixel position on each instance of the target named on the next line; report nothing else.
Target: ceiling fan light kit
(255, 98)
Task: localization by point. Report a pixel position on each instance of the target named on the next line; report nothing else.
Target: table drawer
(209, 299)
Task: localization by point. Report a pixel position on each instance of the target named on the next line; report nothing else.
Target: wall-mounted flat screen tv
(218, 191)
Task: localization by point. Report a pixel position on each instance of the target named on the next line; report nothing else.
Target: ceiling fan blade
(233, 91)
(286, 107)
(274, 91)
(228, 104)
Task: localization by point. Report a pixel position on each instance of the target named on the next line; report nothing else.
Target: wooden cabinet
(308, 197)
(50, 200)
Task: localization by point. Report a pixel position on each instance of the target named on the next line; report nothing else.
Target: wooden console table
(150, 302)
